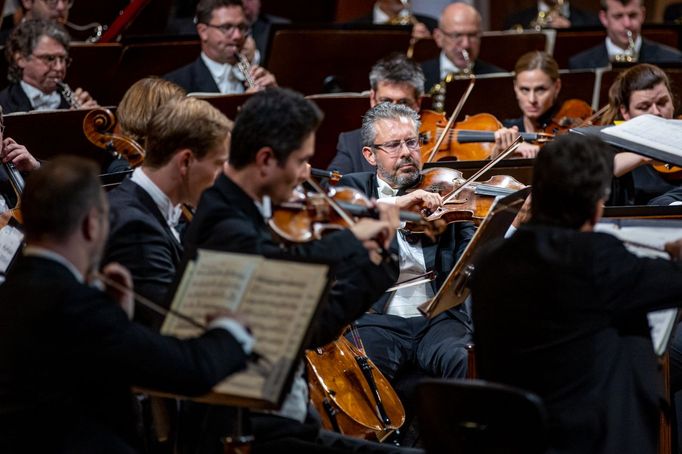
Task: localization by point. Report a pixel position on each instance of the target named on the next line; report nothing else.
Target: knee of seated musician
(388, 350)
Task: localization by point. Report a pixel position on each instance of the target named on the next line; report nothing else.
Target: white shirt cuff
(237, 330)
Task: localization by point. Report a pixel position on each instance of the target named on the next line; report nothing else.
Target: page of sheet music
(661, 322)
(277, 298)
(11, 239)
(651, 131)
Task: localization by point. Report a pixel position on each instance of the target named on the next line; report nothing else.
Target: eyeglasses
(455, 36)
(53, 3)
(392, 148)
(50, 60)
(228, 29)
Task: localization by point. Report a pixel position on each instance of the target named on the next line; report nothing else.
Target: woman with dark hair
(642, 89)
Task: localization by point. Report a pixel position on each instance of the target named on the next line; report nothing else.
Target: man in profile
(459, 37)
(69, 353)
(560, 310)
(620, 17)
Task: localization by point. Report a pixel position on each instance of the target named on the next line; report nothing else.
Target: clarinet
(67, 93)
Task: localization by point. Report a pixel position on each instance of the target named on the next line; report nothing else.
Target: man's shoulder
(653, 52)
(593, 57)
(358, 180)
(185, 72)
(13, 99)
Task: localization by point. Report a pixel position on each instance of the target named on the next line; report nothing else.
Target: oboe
(67, 93)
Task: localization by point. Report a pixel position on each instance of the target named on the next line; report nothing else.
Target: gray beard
(402, 181)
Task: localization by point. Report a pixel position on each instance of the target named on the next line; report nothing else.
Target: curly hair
(24, 39)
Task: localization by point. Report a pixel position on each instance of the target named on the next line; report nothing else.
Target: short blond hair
(141, 101)
(184, 123)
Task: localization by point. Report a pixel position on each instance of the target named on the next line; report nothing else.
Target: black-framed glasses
(392, 147)
(50, 60)
(53, 3)
(228, 29)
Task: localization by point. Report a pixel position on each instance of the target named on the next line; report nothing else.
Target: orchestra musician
(186, 147)
(396, 336)
(57, 10)
(394, 12)
(394, 78)
(623, 22)
(69, 352)
(37, 53)
(536, 85)
(563, 15)
(642, 89)
(223, 30)
(459, 31)
(272, 142)
(560, 310)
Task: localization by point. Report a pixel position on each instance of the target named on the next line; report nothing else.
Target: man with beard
(395, 334)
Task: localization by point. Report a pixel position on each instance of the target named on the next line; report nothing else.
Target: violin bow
(455, 113)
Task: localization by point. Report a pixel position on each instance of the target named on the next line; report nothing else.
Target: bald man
(458, 33)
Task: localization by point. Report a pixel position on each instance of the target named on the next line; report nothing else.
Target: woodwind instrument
(439, 90)
(244, 67)
(630, 54)
(68, 94)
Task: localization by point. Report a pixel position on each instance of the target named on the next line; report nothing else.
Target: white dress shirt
(171, 213)
(447, 66)
(404, 302)
(227, 77)
(614, 50)
(40, 100)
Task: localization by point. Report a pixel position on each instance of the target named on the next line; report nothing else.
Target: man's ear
(438, 37)
(369, 155)
(20, 60)
(90, 224)
(265, 159)
(202, 31)
(602, 18)
(372, 98)
(182, 160)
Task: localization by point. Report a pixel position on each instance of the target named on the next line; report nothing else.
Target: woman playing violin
(642, 89)
(537, 86)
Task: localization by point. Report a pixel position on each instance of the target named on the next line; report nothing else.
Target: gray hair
(24, 39)
(385, 111)
(397, 68)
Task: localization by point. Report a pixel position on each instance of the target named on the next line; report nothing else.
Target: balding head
(459, 28)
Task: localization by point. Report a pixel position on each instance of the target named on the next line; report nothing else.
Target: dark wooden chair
(227, 104)
(94, 68)
(479, 417)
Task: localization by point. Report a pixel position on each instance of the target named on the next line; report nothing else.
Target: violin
(573, 113)
(351, 395)
(98, 125)
(470, 139)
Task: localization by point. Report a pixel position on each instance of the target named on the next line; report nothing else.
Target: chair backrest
(475, 416)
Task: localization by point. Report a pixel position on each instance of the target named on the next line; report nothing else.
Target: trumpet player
(459, 37)
(227, 49)
(37, 53)
(623, 22)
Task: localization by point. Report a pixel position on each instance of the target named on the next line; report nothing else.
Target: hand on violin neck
(504, 137)
(419, 200)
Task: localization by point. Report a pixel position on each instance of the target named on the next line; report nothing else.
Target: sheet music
(277, 298)
(661, 322)
(651, 131)
(11, 239)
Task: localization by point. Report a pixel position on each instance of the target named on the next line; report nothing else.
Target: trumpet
(630, 55)
(244, 67)
(68, 95)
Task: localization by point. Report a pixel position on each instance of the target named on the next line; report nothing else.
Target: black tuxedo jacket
(194, 77)
(650, 52)
(440, 256)
(227, 219)
(141, 240)
(562, 314)
(349, 158)
(14, 99)
(431, 70)
(579, 18)
(69, 355)
(430, 22)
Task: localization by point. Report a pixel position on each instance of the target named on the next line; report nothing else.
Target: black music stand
(330, 58)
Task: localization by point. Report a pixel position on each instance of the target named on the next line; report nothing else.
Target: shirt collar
(384, 189)
(40, 100)
(379, 17)
(171, 213)
(447, 66)
(217, 70)
(35, 251)
(614, 50)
